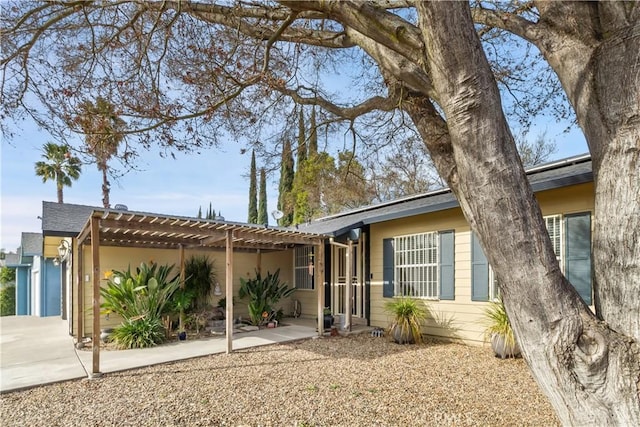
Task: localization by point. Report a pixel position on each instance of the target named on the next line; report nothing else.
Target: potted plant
(499, 332)
(181, 300)
(328, 318)
(408, 315)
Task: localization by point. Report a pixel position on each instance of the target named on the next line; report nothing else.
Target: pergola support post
(347, 290)
(80, 296)
(319, 276)
(229, 291)
(95, 256)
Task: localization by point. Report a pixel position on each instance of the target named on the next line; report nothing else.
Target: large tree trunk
(589, 372)
(598, 62)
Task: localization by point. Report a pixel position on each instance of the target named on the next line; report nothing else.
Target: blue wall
(23, 290)
(51, 297)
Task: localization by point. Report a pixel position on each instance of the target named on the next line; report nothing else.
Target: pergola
(120, 228)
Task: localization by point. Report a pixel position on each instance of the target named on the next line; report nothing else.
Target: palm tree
(60, 166)
(103, 130)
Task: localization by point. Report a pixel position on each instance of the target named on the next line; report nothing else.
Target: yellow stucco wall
(461, 318)
(117, 258)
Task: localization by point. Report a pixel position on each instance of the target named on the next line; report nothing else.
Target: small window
(303, 256)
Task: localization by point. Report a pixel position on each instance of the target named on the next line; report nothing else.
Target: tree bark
(589, 371)
(599, 67)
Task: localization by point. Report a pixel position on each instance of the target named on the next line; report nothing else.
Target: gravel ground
(331, 381)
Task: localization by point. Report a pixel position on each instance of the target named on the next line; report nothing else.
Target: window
(554, 228)
(417, 265)
(303, 256)
(571, 239)
(494, 289)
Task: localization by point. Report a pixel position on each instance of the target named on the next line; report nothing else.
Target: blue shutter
(578, 253)
(447, 283)
(388, 267)
(479, 271)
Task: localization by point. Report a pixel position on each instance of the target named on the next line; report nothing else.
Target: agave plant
(140, 299)
(263, 294)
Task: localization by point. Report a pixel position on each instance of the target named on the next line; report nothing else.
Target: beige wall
(117, 258)
(461, 318)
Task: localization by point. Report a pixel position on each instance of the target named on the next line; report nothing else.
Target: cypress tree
(199, 212)
(302, 141)
(285, 203)
(252, 217)
(313, 135)
(263, 217)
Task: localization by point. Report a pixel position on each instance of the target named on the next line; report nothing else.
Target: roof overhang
(146, 230)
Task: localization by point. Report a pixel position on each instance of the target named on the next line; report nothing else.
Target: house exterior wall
(119, 258)
(460, 318)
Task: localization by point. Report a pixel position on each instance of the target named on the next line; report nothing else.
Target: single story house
(422, 246)
(419, 246)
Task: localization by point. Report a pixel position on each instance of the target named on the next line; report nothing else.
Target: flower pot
(402, 338)
(182, 336)
(502, 349)
(328, 321)
(105, 334)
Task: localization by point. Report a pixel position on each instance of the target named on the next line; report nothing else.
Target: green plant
(140, 299)
(498, 323)
(200, 276)
(8, 301)
(222, 302)
(7, 275)
(145, 293)
(408, 315)
(181, 301)
(140, 332)
(263, 294)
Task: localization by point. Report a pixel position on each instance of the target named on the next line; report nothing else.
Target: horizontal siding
(460, 319)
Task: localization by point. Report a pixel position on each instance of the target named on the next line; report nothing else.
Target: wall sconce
(63, 250)
(56, 261)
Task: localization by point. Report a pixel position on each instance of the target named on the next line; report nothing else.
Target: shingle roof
(31, 244)
(562, 173)
(10, 260)
(64, 219)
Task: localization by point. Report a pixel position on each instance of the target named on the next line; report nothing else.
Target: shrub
(140, 299)
(8, 301)
(200, 276)
(263, 294)
(139, 333)
(146, 293)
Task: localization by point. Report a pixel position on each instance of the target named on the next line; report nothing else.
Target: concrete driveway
(35, 351)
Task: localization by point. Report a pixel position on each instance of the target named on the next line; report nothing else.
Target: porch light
(63, 250)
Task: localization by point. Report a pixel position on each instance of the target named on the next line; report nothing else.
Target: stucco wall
(117, 258)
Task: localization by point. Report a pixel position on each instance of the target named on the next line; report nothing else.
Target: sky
(163, 185)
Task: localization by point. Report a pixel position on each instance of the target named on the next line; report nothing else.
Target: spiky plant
(408, 316)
